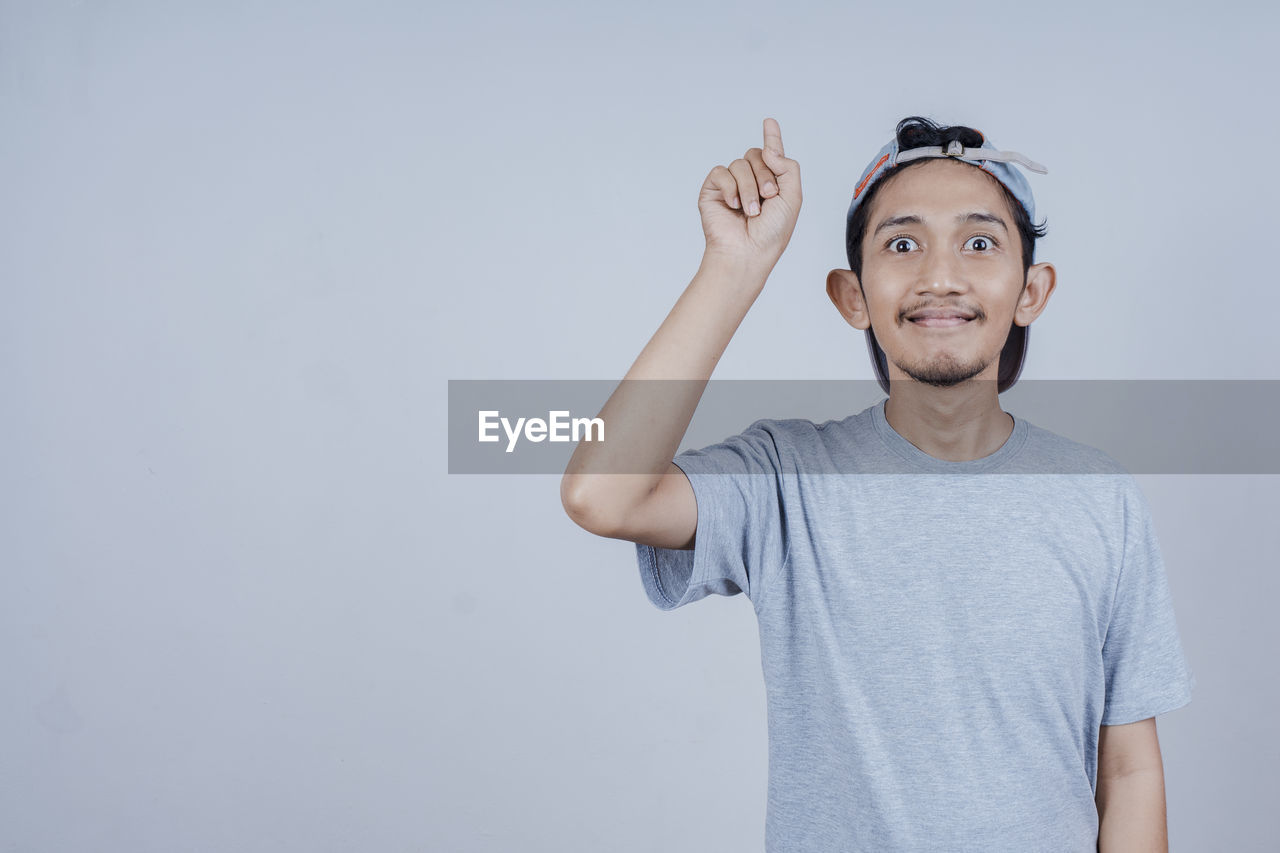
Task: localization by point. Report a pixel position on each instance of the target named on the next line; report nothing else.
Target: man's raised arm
(749, 211)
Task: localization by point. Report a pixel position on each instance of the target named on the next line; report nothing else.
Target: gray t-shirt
(939, 646)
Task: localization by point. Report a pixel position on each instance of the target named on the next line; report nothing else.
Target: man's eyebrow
(961, 219)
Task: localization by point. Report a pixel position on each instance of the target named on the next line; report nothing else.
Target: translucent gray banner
(1147, 426)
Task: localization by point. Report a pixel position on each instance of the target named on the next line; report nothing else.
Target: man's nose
(941, 272)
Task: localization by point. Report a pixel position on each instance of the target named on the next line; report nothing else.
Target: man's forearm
(646, 421)
(1131, 813)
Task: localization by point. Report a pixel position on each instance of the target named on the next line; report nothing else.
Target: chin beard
(943, 373)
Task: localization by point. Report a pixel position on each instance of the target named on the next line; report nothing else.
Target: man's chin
(944, 376)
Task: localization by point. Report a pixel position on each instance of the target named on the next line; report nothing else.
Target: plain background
(244, 245)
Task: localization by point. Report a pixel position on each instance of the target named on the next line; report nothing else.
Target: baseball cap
(997, 163)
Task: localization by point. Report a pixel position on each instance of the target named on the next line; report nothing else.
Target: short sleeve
(1146, 671)
(740, 540)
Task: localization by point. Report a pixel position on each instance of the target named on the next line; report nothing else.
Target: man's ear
(1041, 280)
(846, 294)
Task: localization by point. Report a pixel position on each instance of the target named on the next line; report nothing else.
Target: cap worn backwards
(986, 157)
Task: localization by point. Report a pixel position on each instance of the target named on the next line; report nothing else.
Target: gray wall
(244, 245)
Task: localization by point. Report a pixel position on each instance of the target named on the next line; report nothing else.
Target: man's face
(946, 261)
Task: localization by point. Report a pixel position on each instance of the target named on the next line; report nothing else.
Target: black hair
(917, 132)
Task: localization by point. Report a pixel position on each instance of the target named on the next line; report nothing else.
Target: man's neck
(952, 424)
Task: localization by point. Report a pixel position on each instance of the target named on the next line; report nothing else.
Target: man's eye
(982, 243)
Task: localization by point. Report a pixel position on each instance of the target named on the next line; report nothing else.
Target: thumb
(788, 172)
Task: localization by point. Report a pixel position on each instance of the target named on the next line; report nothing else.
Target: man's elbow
(584, 508)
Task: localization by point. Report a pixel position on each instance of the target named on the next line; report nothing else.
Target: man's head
(941, 234)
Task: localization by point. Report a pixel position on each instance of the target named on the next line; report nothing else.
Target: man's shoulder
(803, 431)
(793, 426)
(1060, 454)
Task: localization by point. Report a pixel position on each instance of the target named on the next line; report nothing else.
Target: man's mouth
(940, 322)
(941, 316)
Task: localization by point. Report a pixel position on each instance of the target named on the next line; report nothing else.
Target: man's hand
(750, 208)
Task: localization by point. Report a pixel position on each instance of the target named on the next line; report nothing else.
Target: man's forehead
(941, 192)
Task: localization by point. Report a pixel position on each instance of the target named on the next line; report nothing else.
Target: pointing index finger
(772, 135)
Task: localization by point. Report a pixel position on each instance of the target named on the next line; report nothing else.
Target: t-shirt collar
(923, 461)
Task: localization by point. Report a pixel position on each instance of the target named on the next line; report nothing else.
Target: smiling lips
(940, 317)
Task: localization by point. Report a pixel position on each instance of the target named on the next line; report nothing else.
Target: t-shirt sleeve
(1146, 671)
(740, 540)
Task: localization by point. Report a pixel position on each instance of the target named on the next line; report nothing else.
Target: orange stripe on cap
(858, 191)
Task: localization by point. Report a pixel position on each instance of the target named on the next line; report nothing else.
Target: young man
(953, 661)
